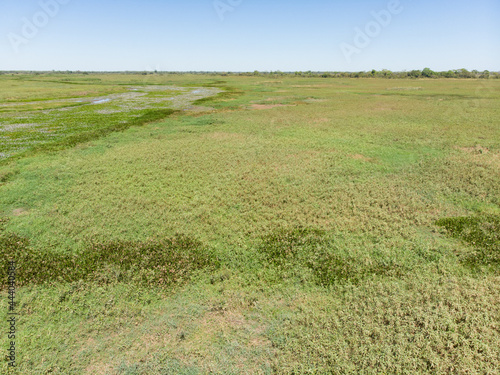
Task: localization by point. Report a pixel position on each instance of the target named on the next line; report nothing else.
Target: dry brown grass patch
(477, 149)
(306, 86)
(269, 106)
(482, 155)
(223, 136)
(363, 158)
(20, 212)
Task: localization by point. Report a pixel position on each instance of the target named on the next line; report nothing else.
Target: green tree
(485, 74)
(428, 73)
(464, 73)
(449, 74)
(415, 73)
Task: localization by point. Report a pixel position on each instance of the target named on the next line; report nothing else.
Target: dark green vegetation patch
(328, 261)
(284, 245)
(6, 175)
(160, 262)
(482, 232)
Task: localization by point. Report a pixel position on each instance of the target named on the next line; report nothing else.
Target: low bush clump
(482, 232)
(285, 245)
(155, 262)
(312, 248)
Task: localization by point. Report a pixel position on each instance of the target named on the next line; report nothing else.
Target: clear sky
(247, 35)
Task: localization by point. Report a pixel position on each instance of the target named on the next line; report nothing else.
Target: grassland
(285, 225)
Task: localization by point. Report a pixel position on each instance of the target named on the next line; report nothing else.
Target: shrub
(284, 245)
(312, 248)
(154, 262)
(482, 232)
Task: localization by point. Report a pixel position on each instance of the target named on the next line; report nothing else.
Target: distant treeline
(425, 73)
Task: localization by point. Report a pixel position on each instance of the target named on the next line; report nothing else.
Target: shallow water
(101, 101)
(74, 115)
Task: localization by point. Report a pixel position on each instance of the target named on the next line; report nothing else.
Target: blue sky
(247, 35)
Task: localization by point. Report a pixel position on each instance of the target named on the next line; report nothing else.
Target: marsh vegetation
(287, 224)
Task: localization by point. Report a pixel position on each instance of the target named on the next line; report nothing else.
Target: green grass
(76, 112)
(313, 225)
